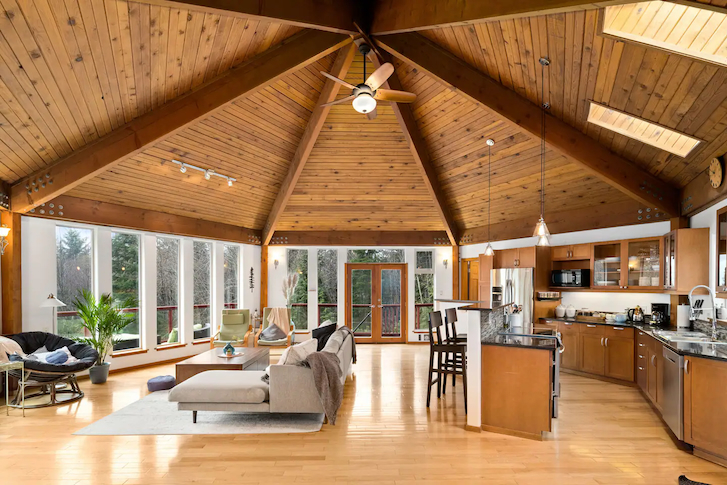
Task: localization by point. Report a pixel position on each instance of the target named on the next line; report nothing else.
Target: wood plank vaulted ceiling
(74, 73)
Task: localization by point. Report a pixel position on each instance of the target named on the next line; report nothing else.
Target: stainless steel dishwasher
(673, 406)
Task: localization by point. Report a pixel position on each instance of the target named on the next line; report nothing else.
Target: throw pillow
(57, 357)
(272, 333)
(283, 358)
(299, 352)
(335, 342)
(323, 333)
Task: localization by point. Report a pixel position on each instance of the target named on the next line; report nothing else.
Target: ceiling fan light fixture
(364, 103)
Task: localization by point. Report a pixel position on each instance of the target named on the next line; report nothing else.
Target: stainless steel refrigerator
(514, 285)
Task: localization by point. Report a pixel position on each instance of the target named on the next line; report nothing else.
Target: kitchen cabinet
(619, 353)
(593, 352)
(721, 262)
(704, 396)
(685, 262)
(607, 265)
(651, 375)
(641, 356)
(572, 252)
(570, 336)
(515, 258)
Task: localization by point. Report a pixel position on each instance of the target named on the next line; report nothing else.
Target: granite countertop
(473, 305)
(695, 349)
(523, 342)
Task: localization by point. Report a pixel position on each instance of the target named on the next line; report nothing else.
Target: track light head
(183, 168)
(229, 182)
(208, 174)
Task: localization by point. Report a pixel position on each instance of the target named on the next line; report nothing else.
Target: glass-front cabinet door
(643, 264)
(670, 261)
(607, 265)
(722, 252)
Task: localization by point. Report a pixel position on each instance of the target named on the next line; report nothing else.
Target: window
(375, 255)
(423, 289)
(167, 290)
(327, 285)
(232, 276)
(74, 260)
(298, 263)
(202, 287)
(125, 285)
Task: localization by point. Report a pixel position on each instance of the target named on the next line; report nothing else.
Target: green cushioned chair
(285, 342)
(235, 328)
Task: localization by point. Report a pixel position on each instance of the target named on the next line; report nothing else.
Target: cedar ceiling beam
(328, 15)
(361, 238)
(582, 219)
(419, 151)
(291, 55)
(398, 16)
(613, 169)
(308, 140)
(74, 209)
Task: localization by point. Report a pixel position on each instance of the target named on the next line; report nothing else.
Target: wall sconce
(276, 263)
(445, 262)
(4, 231)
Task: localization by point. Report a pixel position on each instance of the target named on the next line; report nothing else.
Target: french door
(376, 302)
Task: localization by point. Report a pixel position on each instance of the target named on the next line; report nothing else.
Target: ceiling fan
(366, 94)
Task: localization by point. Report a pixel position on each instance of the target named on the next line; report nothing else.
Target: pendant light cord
(489, 192)
(542, 141)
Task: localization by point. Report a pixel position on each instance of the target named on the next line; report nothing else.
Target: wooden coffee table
(251, 359)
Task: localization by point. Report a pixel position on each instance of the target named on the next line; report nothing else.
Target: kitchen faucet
(694, 311)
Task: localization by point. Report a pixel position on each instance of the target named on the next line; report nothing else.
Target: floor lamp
(54, 303)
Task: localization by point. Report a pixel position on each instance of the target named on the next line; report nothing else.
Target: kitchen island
(511, 379)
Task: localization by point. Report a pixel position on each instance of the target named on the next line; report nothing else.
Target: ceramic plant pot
(99, 373)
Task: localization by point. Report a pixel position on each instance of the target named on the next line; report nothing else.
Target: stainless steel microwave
(570, 278)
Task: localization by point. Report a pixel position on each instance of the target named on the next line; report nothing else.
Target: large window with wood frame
(126, 284)
(202, 289)
(167, 270)
(298, 263)
(423, 289)
(74, 269)
(232, 276)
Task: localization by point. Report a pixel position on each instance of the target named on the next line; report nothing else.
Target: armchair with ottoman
(46, 375)
(289, 388)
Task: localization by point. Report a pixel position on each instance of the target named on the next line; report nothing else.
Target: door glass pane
(607, 264)
(202, 287)
(361, 302)
(125, 285)
(390, 303)
(167, 290)
(643, 263)
(74, 259)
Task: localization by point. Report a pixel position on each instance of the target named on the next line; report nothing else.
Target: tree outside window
(423, 289)
(327, 285)
(232, 276)
(375, 255)
(167, 290)
(298, 263)
(202, 288)
(74, 266)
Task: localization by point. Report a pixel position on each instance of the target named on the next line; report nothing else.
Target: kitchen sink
(687, 337)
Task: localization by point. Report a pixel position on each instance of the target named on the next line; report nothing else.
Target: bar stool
(450, 331)
(442, 349)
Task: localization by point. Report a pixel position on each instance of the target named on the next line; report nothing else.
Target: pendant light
(488, 248)
(541, 229)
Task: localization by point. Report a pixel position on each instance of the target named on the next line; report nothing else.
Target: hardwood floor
(606, 434)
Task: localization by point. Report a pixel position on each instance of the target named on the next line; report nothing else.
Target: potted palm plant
(103, 318)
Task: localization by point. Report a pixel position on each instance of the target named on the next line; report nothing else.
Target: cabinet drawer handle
(568, 324)
(601, 341)
(641, 333)
(641, 368)
(591, 326)
(653, 357)
(686, 367)
(641, 345)
(619, 328)
(641, 356)
(606, 341)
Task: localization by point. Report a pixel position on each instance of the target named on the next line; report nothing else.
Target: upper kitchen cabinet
(514, 258)
(607, 262)
(572, 252)
(721, 262)
(685, 260)
(632, 264)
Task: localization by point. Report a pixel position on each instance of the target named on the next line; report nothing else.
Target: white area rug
(155, 415)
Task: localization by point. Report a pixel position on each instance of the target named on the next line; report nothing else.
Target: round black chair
(45, 375)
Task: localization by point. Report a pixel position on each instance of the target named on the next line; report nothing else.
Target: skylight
(692, 31)
(641, 130)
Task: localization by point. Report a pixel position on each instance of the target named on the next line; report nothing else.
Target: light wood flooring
(606, 434)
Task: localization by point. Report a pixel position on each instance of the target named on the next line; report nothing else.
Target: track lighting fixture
(208, 172)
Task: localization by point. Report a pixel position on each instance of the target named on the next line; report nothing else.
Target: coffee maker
(660, 314)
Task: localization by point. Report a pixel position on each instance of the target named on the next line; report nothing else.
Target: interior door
(376, 302)
(470, 275)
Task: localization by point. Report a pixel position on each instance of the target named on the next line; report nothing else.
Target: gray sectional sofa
(291, 389)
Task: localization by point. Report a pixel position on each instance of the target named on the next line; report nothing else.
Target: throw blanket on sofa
(327, 375)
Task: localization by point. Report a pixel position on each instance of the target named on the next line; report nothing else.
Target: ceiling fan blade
(340, 101)
(394, 95)
(371, 114)
(339, 81)
(380, 76)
